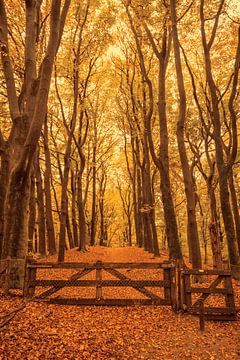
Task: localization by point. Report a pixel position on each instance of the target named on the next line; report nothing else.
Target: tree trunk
(213, 230)
(94, 175)
(81, 214)
(193, 239)
(28, 116)
(51, 242)
(162, 161)
(32, 215)
(74, 215)
(4, 178)
(16, 215)
(234, 202)
(64, 205)
(223, 169)
(41, 210)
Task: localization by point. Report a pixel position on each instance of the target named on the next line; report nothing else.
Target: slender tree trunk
(41, 210)
(101, 230)
(213, 230)
(162, 161)
(235, 208)
(69, 230)
(32, 215)
(64, 206)
(74, 204)
(94, 174)
(139, 197)
(223, 168)
(81, 214)
(193, 239)
(135, 203)
(102, 189)
(51, 242)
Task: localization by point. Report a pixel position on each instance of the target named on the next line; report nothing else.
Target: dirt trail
(43, 331)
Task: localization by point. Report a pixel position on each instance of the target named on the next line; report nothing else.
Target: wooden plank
(209, 290)
(30, 277)
(67, 265)
(105, 265)
(107, 283)
(167, 290)
(220, 317)
(213, 310)
(229, 297)
(187, 294)
(103, 302)
(173, 287)
(99, 280)
(207, 272)
(142, 290)
(143, 265)
(6, 283)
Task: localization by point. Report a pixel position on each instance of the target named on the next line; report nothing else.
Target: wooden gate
(159, 290)
(203, 296)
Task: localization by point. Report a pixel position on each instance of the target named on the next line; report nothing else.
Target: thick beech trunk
(4, 177)
(27, 113)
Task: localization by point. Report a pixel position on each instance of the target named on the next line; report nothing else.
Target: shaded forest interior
(119, 127)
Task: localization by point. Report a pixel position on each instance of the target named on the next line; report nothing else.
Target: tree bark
(74, 205)
(41, 210)
(223, 168)
(32, 215)
(193, 239)
(28, 123)
(51, 241)
(235, 208)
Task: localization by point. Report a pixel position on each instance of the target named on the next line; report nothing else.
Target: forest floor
(46, 331)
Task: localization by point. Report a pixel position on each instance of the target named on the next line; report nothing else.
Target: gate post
(6, 284)
(98, 278)
(187, 295)
(30, 277)
(167, 277)
(173, 287)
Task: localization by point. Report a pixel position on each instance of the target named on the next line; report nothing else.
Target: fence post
(6, 285)
(30, 277)
(167, 277)
(99, 278)
(229, 297)
(187, 289)
(201, 315)
(173, 287)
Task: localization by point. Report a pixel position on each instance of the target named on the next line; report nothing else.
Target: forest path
(44, 331)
